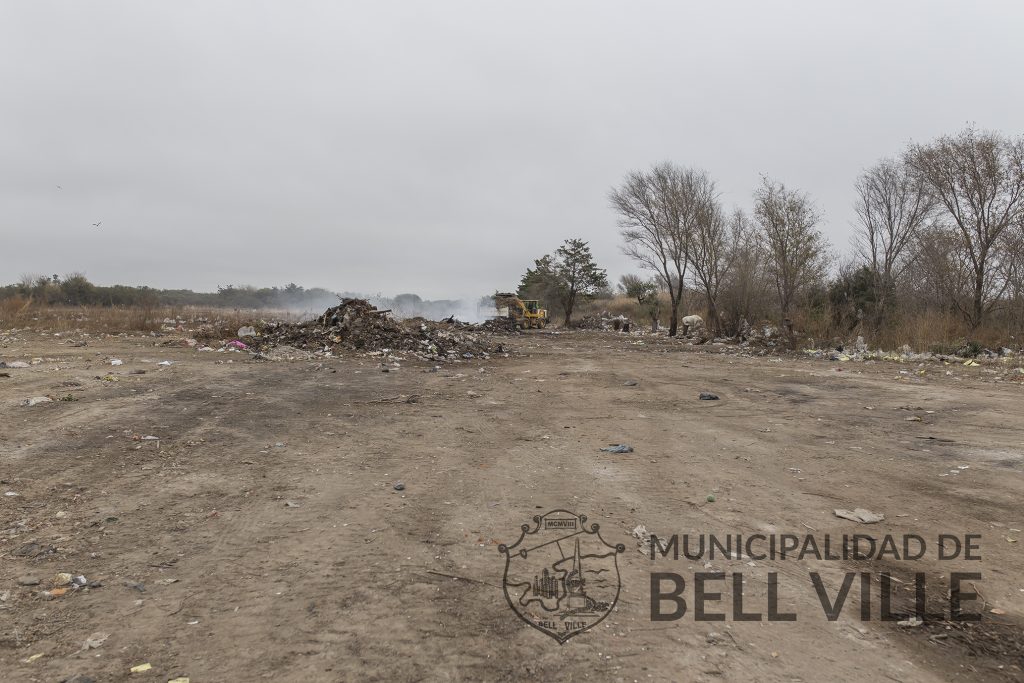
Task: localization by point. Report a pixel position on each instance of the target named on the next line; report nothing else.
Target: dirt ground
(261, 537)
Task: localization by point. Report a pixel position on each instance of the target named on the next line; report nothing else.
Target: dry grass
(18, 313)
(925, 331)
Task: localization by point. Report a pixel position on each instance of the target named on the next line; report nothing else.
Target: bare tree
(658, 211)
(25, 284)
(710, 252)
(742, 295)
(892, 206)
(978, 178)
(1013, 272)
(797, 253)
(940, 275)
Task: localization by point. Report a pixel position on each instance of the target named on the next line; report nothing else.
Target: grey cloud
(440, 147)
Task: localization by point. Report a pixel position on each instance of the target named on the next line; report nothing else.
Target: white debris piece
(860, 515)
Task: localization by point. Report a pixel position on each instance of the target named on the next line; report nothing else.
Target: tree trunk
(979, 303)
(716, 321)
(673, 321)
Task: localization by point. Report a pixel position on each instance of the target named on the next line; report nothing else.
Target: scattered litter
(179, 679)
(711, 498)
(291, 504)
(398, 486)
(29, 660)
(912, 622)
(860, 515)
(139, 668)
(708, 396)
(36, 400)
(28, 581)
(236, 344)
(618, 448)
(631, 383)
(644, 538)
(165, 362)
(31, 549)
(95, 640)
(355, 324)
(913, 418)
(116, 361)
(603, 322)
(246, 331)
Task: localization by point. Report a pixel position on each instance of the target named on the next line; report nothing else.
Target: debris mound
(500, 326)
(357, 325)
(604, 321)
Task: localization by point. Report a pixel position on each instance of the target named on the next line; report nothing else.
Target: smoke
(468, 309)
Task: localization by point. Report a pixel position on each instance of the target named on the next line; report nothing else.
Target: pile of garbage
(357, 325)
(968, 353)
(766, 335)
(500, 325)
(604, 321)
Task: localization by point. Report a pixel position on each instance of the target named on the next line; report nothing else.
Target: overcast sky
(438, 147)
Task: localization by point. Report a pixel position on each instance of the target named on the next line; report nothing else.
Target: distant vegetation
(33, 293)
(76, 290)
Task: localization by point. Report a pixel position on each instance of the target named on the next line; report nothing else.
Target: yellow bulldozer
(527, 314)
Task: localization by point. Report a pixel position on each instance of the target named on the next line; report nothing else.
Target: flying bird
(96, 225)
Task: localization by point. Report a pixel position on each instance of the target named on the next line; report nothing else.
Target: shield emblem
(561, 577)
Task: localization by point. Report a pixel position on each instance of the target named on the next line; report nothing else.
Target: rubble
(604, 321)
(500, 325)
(861, 515)
(645, 540)
(356, 325)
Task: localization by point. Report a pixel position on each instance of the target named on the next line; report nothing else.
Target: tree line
(939, 229)
(76, 290)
